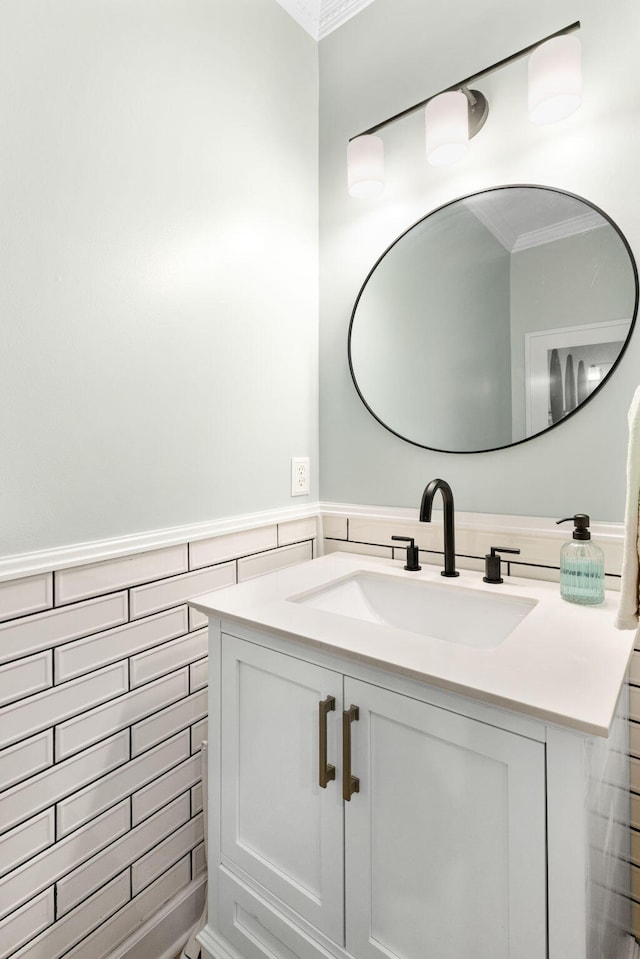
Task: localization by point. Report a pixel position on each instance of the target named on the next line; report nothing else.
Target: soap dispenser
(581, 565)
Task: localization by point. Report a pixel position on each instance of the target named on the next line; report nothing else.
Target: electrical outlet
(300, 472)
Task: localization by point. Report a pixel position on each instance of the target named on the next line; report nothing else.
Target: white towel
(627, 617)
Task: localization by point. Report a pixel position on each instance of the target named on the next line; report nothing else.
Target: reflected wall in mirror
(493, 319)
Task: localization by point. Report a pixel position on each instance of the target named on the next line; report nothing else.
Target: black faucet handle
(492, 564)
(413, 555)
(503, 549)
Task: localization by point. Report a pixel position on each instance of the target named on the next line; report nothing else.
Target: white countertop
(564, 663)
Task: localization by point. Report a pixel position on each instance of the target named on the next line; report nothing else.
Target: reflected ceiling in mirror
(493, 319)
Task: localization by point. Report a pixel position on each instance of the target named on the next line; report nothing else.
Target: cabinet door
(445, 842)
(278, 824)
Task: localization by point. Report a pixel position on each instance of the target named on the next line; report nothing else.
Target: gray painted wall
(443, 290)
(394, 53)
(159, 264)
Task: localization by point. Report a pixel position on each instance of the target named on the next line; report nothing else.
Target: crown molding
(333, 13)
(513, 243)
(321, 17)
(495, 224)
(304, 12)
(571, 227)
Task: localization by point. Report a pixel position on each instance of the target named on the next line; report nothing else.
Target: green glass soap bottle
(581, 565)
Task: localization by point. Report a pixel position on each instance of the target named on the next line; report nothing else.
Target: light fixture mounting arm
(478, 110)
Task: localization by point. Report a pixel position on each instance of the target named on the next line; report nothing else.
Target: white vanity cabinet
(441, 852)
(449, 809)
(379, 794)
(277, 825)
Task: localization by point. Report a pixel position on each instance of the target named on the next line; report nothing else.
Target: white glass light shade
(447, 127)
(365, 166)
(555, 79)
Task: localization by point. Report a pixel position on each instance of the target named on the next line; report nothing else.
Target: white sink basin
(446, 611)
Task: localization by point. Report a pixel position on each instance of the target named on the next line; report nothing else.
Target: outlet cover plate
(300, 475)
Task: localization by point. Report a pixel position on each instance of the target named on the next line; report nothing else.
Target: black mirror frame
(526, 439)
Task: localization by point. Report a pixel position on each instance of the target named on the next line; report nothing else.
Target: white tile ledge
(65, 557)
(496, 522)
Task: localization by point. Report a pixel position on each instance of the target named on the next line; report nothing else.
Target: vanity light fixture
(453, 116)
(447, 128)
(451, 119)
(365, 166)
(555, 79)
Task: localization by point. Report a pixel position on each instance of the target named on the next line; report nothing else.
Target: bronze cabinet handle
(327, 772)
(350, 784)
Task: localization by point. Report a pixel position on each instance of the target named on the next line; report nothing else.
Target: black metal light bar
(469, 80)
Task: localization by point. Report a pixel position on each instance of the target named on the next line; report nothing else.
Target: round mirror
(493, 319)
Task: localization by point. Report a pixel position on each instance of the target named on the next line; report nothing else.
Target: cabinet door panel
(256, 929)
(278, 824)
(445, 843)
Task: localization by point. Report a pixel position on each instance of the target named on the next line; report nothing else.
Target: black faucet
(449, 531)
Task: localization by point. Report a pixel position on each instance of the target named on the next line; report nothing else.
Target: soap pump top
(581, 529)
(581, 565)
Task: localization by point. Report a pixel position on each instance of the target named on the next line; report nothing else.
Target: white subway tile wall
(159, 792)
(199, 674)
(84, 655)
(538, 558)
(163, 659)
(178, 589)
(91, 580)
(153, 730)
(198, 860)
(166, 853)
(28, 921)
(124, 781)
(41, 872)
(103, 704)
(65, 932)
(26, 758)
(335, 527)
(122, 711)
(198, 734)
(29, 595)
(196, 619)
(129, 919)
(252, 566)
(297, 530)
(196, 799)
(364, 549)
(25, 676)
(88, 877)
(26, 840)
(539, 548)
(28, 715)
(207, 552)
(29, 634)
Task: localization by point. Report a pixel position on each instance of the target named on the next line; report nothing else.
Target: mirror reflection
(493, 319)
